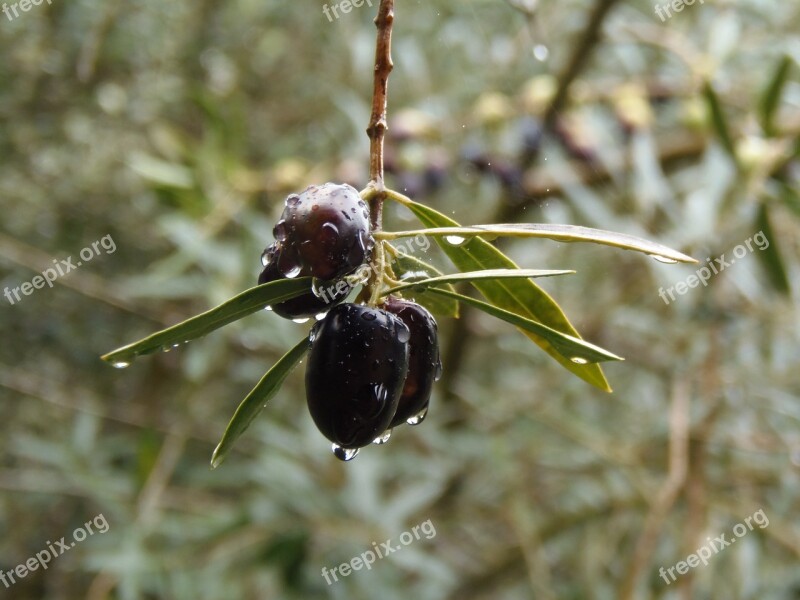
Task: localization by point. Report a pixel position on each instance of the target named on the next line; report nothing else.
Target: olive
(424, 364)
(357, 365)
(324, 232)
(305, 305)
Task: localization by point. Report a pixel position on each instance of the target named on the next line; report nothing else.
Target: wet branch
(377, 124)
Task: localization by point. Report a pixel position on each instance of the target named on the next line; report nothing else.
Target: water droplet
(320, 316)
(579, 361)
(663, 259)
(266, 257)
(403, 333)
(121, 364)
(301, 320)
(455, 240)
(438, 373)
(279, 231)
(315, 207)
(329, 233)
(293, 272)
(418, 418)
(268, 308)
(344, 454)
(292, 201)
(369, 316)
(383, 438)
(541, 52)
(312, 335)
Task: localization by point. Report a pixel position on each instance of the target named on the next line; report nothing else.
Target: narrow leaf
(561, 233)
(770, 256)
(719, 120)
(574, 349)
(771, 97)
(519, 296)
(475, 275)
(240, 306)
(409, 268)
(255, 401)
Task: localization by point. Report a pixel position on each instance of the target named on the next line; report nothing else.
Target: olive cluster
(369, 368)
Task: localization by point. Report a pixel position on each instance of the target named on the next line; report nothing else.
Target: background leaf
(771, 96)
(719, 120)
(770, 256)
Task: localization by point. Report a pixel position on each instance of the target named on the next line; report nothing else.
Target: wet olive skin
(325, 231)
(306, 305)
(424, 365)
(357, 364)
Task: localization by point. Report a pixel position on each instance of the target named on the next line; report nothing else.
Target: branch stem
(377, 124)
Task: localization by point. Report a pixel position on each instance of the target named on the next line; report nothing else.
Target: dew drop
(344, 454)
(301, 320)
(455, 240)
(279, 231)
(293, 272)
(266, 256)
(329, 233)
(663, 259)
(541, 52)
(315, 207)
(383, 438)
(403, 334)
(579, 361)
(437, 375)
(418, 418)
(292, 201)
(312, 335)
(369, 316)
(121, 364)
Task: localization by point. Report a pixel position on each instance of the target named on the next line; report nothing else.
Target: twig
(377, 124)
(670, 489)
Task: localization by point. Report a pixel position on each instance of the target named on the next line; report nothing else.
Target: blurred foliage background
(178, 128)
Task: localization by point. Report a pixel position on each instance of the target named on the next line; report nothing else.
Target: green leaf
(561, 233)
(770, 256)
(519, 296)
(476, 275)
(410, 268)
(572, 348)
(255, 401)
(239, 306)
(719, 121)
(771, 97)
